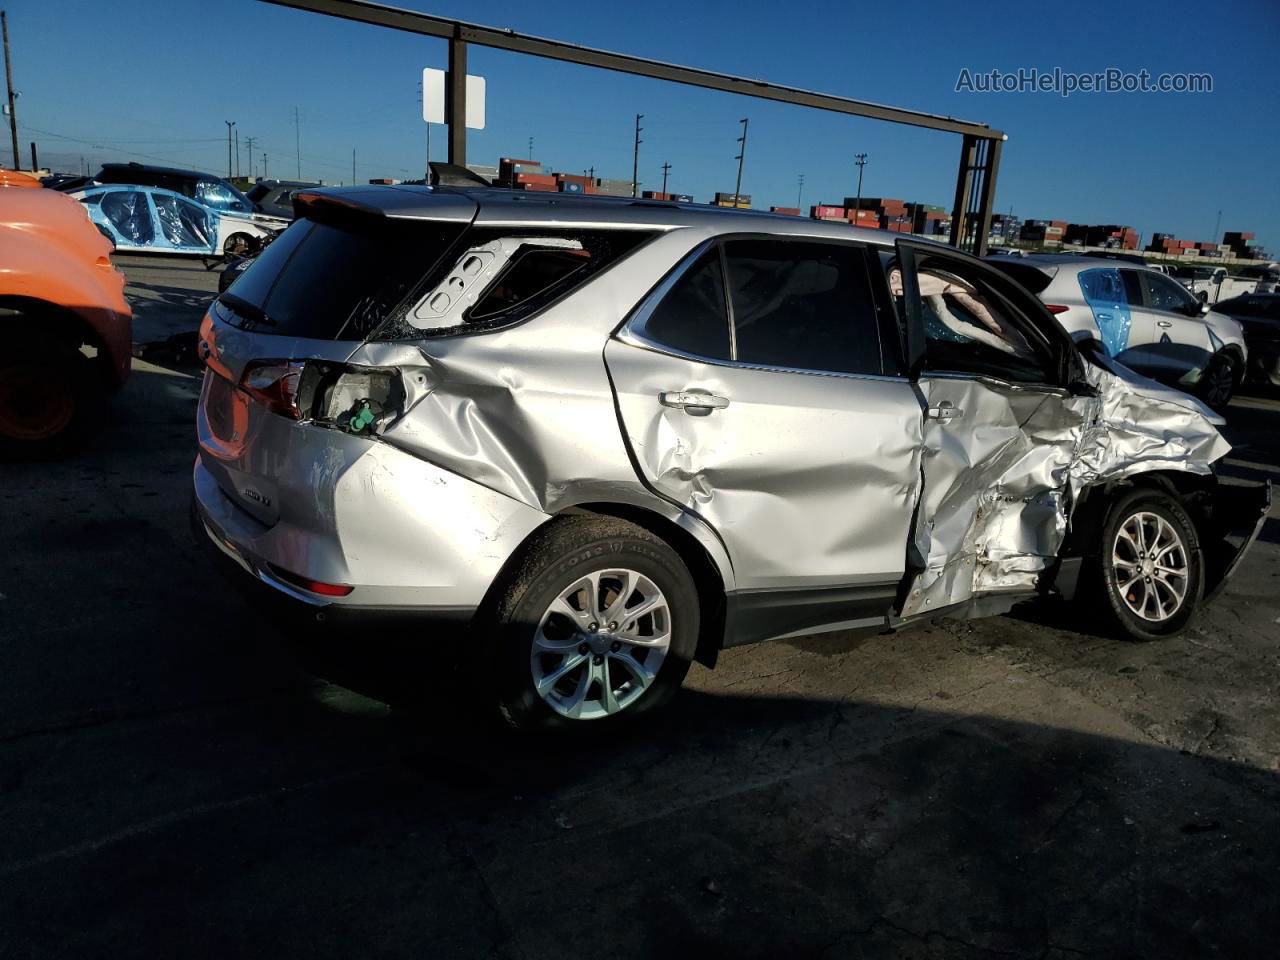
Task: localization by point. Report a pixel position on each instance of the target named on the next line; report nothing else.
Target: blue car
(153, 220)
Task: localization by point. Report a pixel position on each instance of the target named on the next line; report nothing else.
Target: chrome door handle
(1164, 323)
(693, 402)
(944, 411)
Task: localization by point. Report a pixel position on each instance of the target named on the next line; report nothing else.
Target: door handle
(1164, 323)
(944, 411)
(690, 402)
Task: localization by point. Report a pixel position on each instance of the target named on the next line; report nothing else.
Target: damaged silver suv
(591, 440)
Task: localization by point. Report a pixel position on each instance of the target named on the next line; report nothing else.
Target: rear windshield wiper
(251, 312)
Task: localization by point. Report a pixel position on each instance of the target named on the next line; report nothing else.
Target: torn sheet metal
(999, 489)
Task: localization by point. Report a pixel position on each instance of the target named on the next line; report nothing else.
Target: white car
(1141, 317)
(153, 220)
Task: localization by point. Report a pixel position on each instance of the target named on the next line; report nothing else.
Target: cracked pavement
(177, 779)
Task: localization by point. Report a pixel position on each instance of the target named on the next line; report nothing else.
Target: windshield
(222, 196)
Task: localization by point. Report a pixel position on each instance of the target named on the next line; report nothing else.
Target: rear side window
(337, 280)
(692, 317)
(503, 276)
(800, 305)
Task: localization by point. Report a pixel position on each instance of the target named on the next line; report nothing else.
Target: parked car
(65, 327)
(151, 220)
(586, 441)
(1259, 316)
(205, 188)
(1211, 283)
(276, 196)
(1144, 319)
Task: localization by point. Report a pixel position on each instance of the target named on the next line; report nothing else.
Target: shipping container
(786, 211)
(681, 197)
(570, 186)
(826, 210)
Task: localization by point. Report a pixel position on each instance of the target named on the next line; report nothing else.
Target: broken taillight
(274, 383)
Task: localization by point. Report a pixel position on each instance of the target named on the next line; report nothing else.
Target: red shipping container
(786, 211)
(542, 178)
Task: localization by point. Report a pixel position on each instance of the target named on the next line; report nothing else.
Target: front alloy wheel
(1149, 568)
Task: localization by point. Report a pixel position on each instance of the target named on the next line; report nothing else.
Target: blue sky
(156, 80)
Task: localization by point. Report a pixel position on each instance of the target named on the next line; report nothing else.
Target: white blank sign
(433, 98)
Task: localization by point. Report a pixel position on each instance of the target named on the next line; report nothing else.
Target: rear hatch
(276, 342)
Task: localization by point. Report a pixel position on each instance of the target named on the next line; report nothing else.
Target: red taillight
(1056, 308)
(312, 586)
(275, 384)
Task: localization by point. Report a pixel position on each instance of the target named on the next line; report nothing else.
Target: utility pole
(635, 159)
(264, 166)
(230, 124)
(861, 160)
(353, 166)
(666, 168)
(737, 187)
(531, 148)
(237, 153)
(1217, 225)
(8, 79)
(297, 140)
(249, 142)
(800, 192)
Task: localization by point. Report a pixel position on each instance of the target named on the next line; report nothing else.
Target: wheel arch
(710, 577)
(1193, 491)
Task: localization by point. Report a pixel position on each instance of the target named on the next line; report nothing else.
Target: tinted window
(530, 273)
(692, 317)
(1132, 287)
(1033, 278)
(337, 280)
(970, 327)
(1166, 294)
(805, 306)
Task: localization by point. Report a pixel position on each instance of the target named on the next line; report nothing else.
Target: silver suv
(588, 441)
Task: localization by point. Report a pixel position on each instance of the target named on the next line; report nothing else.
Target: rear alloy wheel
(599, 624)
(237, 245)
(1218, 381)
(1150, 566)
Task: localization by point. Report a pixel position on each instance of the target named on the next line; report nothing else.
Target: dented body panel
(945, 489)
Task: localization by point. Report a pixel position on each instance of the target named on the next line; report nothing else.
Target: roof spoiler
(393, 202)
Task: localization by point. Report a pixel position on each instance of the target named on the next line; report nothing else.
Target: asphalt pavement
(179, 778)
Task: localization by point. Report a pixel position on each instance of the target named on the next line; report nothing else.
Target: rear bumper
(1238, 515)
(409, 538)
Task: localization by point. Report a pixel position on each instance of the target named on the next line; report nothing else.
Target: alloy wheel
(600, 644)
(1150, 566)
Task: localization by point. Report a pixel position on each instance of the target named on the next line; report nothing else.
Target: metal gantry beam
(460, 33)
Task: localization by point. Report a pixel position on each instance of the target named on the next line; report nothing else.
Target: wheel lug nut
(616, 646)
(597, 659)
(583, 648)
(593, 627)
(613, 625)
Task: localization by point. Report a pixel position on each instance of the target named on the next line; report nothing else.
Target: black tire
(1115, 608)
(566, 550)
(52, 398)
(1218, 381)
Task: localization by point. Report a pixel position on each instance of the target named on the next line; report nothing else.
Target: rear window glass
(337, 280)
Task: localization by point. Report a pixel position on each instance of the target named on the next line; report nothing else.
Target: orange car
(66, 330)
